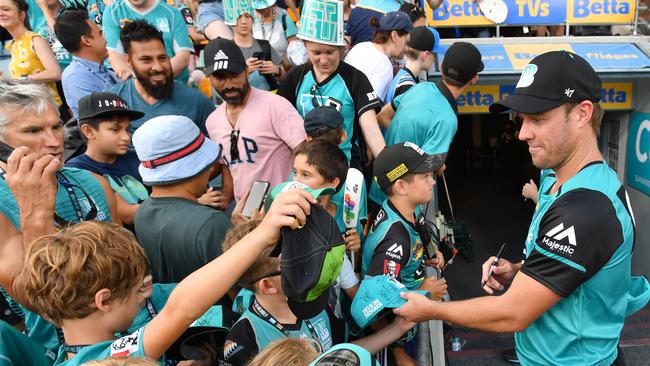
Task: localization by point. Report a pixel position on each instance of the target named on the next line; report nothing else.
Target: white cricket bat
(352, 201)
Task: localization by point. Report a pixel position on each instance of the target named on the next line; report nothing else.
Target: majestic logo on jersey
(395, 251)
(555, 239)
(559, 233)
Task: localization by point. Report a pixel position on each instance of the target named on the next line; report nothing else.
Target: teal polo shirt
(165, 18)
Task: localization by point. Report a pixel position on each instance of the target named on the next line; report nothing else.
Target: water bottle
(455, 344)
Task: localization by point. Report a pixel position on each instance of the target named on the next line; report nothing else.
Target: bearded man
(256, 129)
(154, 91)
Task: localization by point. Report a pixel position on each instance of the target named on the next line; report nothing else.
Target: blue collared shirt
(83, 77)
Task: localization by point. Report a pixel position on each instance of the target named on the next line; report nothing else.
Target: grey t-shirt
(179, 236)
(256, 47)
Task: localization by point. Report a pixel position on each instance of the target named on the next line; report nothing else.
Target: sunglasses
(272, 274)
(234, 150)
(314, 100)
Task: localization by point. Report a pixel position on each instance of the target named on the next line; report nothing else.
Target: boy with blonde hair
(92, 280)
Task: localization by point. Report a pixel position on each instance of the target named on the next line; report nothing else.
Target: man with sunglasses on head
(37, 194)
(257, 130)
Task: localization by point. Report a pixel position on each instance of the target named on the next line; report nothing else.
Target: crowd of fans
(134, 242)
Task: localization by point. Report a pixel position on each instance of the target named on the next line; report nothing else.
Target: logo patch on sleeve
(561, 240)
(391, 268)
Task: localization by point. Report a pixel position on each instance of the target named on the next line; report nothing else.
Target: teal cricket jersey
(164, 17)
(64, 207)
(256, 329)
(128, 346)
(394, 248)
(347, 89)
(45, 333)
(18, 349)
(425, 115)
(579, 245)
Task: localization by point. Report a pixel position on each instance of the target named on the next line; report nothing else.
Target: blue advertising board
(638, 153)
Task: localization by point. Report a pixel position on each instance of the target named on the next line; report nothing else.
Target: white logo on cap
(221, 65)
(527, 76)
(414, 147)
(220, 56)
(568, 92)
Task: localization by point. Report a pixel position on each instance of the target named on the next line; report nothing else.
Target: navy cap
(395, 20)
(322, 119)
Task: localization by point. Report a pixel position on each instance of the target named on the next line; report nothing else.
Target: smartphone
(255, 197)
(5, 151)
(259, 56)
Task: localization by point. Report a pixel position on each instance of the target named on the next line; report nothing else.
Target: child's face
(420, 190)
(307, 174)
(112, 137)
(125, 310)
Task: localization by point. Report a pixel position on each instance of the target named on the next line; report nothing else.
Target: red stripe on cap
(176, 155)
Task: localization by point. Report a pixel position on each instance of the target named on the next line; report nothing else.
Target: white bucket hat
(172, 149)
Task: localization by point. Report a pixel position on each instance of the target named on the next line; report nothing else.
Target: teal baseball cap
(376, 296)
(347, 354)
(289, 185)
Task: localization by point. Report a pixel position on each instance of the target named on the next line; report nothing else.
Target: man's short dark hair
(69, 26)
(328, 159)
(138, 31)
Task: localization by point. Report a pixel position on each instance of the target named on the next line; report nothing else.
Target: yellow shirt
(25, 61)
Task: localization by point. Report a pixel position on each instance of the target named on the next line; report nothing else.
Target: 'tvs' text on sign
(533, 8)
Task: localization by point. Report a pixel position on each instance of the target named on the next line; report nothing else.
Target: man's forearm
(495, 315)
